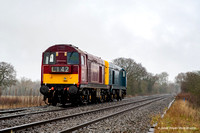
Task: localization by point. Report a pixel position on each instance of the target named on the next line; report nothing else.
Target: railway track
(36, 112)
(29, 125)
(77, 127)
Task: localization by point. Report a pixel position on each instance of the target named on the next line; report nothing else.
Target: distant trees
(9, 85)
(190, 83)
(151, 80)
(162, 81)
(139, 81)
(135, 74)
(24, 87)
(7, 76)
(180, 78)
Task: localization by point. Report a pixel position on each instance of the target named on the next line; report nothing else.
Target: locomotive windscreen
(72, 58)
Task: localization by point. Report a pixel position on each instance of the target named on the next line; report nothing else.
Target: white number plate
(60, 69)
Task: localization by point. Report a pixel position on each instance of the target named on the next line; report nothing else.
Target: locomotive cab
(60, 74)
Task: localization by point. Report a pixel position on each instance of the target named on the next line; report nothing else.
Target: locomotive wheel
(101, 99)
(120, 98)
(54, 103)
(63, 103)
(83, 101)
(111, 98)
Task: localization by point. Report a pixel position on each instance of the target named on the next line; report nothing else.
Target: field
(7, 102)
(182, 117)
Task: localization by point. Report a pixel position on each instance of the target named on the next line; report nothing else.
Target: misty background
(161, 35)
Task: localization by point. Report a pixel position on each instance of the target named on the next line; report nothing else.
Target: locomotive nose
(44, 90)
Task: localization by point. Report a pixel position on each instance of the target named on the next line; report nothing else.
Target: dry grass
(7, 102)
(129, 96)
(182, 117)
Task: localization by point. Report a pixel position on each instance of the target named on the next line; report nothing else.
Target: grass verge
(8, 102)
(182, 117)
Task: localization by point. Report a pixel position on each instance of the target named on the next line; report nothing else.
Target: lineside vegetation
(182, 117)
(24, 93)
(142, 82)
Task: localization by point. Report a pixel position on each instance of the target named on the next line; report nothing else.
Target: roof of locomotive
(63, 47)
(69, 47)
(113, 66)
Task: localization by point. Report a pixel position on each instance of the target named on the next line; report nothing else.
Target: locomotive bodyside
(117, 81)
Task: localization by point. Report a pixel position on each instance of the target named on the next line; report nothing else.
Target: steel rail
(3, 111)
(11, 111)
(69, 130)
(30, 113)
(24, 126)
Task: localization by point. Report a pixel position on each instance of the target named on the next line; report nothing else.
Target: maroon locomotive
(71, 75)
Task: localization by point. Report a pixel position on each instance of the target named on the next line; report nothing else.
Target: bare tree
(139, 81)
(150, 79)
(136, 75)
(25, 86)
(180, 78)
(7, 75)
(133, 69)
(163, 78)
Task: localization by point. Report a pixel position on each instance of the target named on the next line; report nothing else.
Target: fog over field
(162, 35)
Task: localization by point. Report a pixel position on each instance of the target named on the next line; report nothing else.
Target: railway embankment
(182, 116)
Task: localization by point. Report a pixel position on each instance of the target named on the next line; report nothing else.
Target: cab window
(124, 74)
(82, 60)
(49, 58)
(46, 60)
(72, 58)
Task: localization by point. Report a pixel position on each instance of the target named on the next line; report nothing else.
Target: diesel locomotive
(70, 75)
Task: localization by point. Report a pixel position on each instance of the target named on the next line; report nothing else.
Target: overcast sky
(162, 35)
